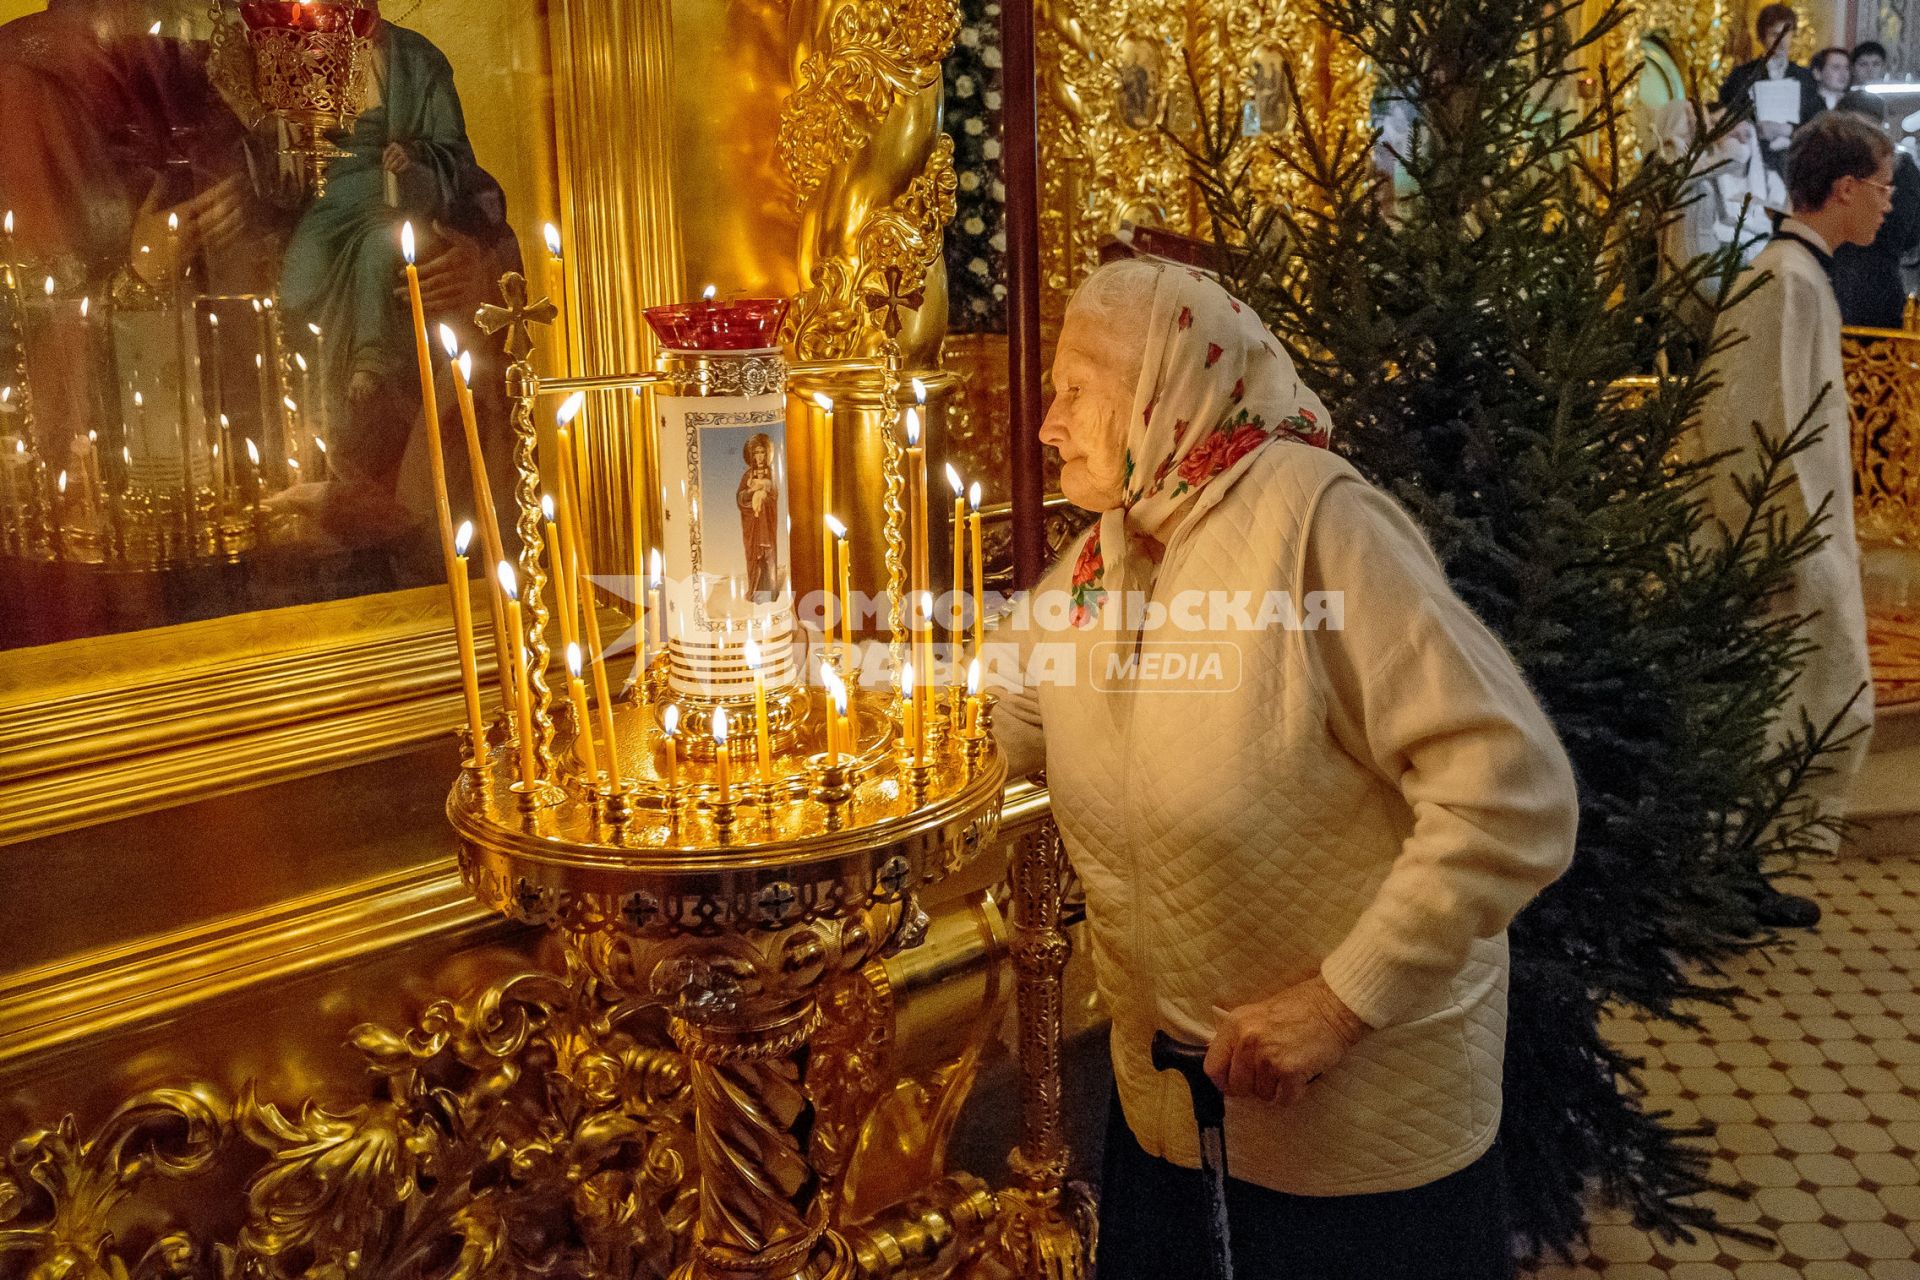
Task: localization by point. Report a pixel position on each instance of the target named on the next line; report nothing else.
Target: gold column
(614, 112)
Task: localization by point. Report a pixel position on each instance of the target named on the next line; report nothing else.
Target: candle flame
(570, 408)
(973, 678)
(448, 341)
(173, 219)
(406, 242)
(913, 428)
(670, 720)
(824, 400)
(573, 660)
(300, 361)
(223, 423)
(320, 444)
(835, 527)
(93, 437)
(257, 360)
(906, 679)
(256, 306)
(213, 319)
(20, 446)
(266, 304)
(653, 565)
(293, 463)
(973, 496)
(9, 222)
(62, 482)
(154, 30)
(465, 363)
(553, 240)
(313, 328)
(86, 305)
(253, 452)
(508, 583)
(546, 507)
(138, 400)
(839, 695)
(6, 394)
(719, 726)
(291, 406)
(953, 478)
(753, 655)
(919, 391)
(49, 286)
(126, 455)
(706, 294)
(462, 536)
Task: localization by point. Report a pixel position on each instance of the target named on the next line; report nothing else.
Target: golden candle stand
(730, 895)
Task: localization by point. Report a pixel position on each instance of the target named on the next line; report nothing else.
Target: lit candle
(560, 565)
(825, 404)
(516, 656)
(917, 540)
(959, 584)
(583, 727)
(763, 739)
(463, 638)
(973, 697)
(436, 463)
(842, 605)
(476, 466)
(979, 575)
(670, 730)
(651, 606)
(832, 687)
(723, 756)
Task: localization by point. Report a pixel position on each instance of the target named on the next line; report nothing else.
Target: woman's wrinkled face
(1092, 398)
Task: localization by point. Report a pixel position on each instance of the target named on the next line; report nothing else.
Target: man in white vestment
(1840, 182)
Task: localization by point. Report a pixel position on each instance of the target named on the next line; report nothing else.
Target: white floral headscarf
(1215, 389)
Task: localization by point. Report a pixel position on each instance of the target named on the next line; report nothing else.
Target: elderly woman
(1305, 789)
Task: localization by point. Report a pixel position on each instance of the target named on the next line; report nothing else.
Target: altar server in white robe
(1840, 180)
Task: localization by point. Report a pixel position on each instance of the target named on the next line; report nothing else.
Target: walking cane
(1210, 1114)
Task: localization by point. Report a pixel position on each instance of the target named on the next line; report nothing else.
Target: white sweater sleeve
(1421, 691)
(1009, 675)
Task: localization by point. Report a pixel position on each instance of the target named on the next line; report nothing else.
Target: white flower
(969, 37)
(978, 266)
(974, 126)
(999, 291)
(998, 190)
(990, 56)
(991, 150)
(969, 181)
(973, 226)
(999, 241)
(963, 86)
(992, 99)
(978, 306)
(993, 11)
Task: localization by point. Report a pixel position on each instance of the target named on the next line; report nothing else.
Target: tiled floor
(1815, 1086)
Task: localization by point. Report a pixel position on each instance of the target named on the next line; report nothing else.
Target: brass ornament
(1883, 392)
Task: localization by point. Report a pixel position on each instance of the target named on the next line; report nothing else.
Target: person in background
(1775, 27)
(1781, 368)
(1867, 279)
(1832, 73)
(1869, 63)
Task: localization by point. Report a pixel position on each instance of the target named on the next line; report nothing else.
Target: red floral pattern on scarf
(1214, 351)
(1085, 591)
(1186, 318)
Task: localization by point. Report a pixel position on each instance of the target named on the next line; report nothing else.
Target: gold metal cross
(516, 315)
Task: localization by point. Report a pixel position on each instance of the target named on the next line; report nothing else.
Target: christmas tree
(1474, 305)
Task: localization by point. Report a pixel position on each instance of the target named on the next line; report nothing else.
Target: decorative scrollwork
(874, 50)
(1883, 391)
(530, 1128)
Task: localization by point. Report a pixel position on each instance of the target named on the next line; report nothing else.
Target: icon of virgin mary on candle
(758, 498)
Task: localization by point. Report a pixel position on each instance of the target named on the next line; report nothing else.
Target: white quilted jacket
(1373, 803)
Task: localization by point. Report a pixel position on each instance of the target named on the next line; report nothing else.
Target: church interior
(442, 836)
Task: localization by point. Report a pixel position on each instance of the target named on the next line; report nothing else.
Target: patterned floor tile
(1815, 1085)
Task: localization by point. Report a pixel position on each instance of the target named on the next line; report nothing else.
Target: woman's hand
(395, 158)
(1275, 1048)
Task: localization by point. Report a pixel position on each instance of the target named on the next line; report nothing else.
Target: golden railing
(1883, 389)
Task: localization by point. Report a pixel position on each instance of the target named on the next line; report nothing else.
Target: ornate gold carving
(872, 173)
(853, 1062)
(1883, 391)
(528, 1128)
(874, 51)
(1047, 1226)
